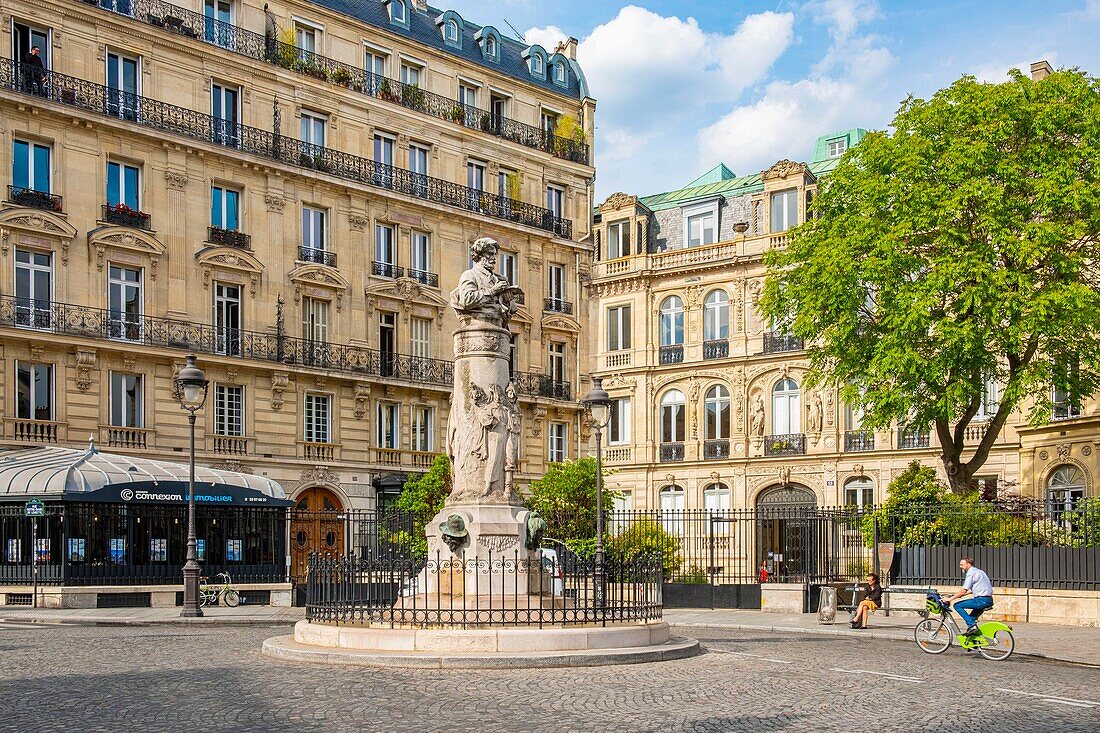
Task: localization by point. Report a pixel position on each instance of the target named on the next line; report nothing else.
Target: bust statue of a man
(482, 293)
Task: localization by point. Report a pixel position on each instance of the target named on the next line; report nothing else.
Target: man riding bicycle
(975, 583)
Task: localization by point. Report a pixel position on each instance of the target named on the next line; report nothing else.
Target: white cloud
(655, 76)
(997, 71)
(839, 92)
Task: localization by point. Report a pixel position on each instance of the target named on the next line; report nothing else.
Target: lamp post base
(191, 608)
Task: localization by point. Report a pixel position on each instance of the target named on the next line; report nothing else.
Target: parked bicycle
(221, 593)
(934, 635)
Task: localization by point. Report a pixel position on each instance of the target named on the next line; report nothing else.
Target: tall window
(618, 239)
(702, 229)
(1064, 406)
(671, 500)
(228, 409)
(122, 85)
(123, 185)
(33, 288)
(716, 316)
(1065, 489)
(422, 337)
(127, 408)
(374, 62)
(853, 416)
(418, 159)
(672, 416)
(859, 491)
(549, 120)
(318, 415)
(450, 31)
(388, 413)
(421, 253)
(410, 74)
(555, 197)
(315, 320)
(31, 166)
(387, 342)
(557, 361)
(383, 149)
(716, 498)
(219, 16)
(305, 37)
(559, 73)
(385, 253)
(556, 284)
(717, 404)
(124, 301)
(225, 208)
(506, 266)
(672, 321)
(786, 413)
(991, 394)
(314, 234)
(467, 94)
(475, 175)
(618, 327)
(618, 428)
(227, 318)
(557, 448)
(423, 429)
(223, 108)
(784, 205)
(312, 128)
(33, 391)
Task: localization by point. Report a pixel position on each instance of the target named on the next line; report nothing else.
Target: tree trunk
(959, 475)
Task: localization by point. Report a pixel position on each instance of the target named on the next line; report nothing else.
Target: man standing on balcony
(34, 72)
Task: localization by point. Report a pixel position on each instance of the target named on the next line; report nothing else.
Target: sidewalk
(1077, 644)
(240, 616)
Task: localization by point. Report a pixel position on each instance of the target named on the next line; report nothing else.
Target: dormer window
(536, 64)
(559, 73)
(490, 46)
(450, 27)
(535, 56)
(397, 11)
(489, 40)
(450, 31)
(837, 147)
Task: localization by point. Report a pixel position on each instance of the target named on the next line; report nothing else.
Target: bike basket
(933, 605)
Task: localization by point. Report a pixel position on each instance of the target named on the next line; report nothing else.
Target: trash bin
(826, 605)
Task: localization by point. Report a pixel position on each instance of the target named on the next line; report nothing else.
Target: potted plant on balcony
(386, 92)
(776, 446)
(341, 76)
(412, 96)
(457, 114)
(486, 122)
(287, 53)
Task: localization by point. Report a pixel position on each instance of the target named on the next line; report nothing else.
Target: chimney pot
(1041, 70)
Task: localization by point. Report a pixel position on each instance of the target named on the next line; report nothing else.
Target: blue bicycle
(933, 635)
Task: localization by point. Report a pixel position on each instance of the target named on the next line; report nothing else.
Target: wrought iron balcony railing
(424, 277)
(912, 437)
(542, 385)
(671, 452)
(124, 216)
(716, 449)
(97, 323)
(386, 269)
(859, 440)
(673, 354)
(716, 349)
(228, 238)
(557, 305)
(32, 199)
(98, 99)
(785, 445)
(777, 343)
(269, 49)
(316, 256)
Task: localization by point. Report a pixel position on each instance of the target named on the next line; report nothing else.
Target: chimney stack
(1041, 70)
(421, 5)
(568, 48)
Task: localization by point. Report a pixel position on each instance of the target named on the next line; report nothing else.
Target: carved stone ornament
(320, 475)
(618, 201)
(129, 362)
(1044, 456)
(274, 202)
(85, 363)
(176, 180)
(310, 279)
(35, 228)
(279, 381)
(783, 169)
(538, 412)
(1063, 451)
(362, 399)
(535, 262)
(229, 264)
(498, 542)
(232, 465)
(357, 222)
(1086, 450)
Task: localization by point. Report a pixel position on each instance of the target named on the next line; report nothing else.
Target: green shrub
(647, 540)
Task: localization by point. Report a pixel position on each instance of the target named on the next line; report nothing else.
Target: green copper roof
(851, 138)
(715, 175)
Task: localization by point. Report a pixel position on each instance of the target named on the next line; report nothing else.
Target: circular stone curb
(284, 647)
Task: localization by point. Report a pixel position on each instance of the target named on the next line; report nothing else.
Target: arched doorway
(316, 525)
(785, 532)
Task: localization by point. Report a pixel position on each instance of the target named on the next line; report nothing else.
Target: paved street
(153, 679)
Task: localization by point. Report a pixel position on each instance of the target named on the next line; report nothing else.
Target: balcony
(859, 440)
(228, 238)
(25, 430)
(716, 349)
(716, 450)
(117, 436)
(387, 456)
(671, 452)
(542, 385)
(229, 445)
(386, 269)
(316, 451)
(618, 453)
(123, 216)
(557, 305)
(31, 199)
(912, 438)
(424, 277)
(673, 354)
(692, 256)
(184, 123)
(785, 445)
(316, 256)
(778, 343)
(618, 359)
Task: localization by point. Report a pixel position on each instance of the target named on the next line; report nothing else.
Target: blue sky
(684, 85)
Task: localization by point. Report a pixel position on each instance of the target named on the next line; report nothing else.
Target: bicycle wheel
(932, 636)
(999, 646)
(231, 598)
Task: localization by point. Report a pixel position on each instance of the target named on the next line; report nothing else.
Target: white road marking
(1053, 698)
(898, 677)
(754, 656)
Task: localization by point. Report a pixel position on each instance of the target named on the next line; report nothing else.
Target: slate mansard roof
(422, 29)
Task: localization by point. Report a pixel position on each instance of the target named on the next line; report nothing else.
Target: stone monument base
(494, 647)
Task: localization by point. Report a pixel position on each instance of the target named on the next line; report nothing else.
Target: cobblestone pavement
(152, 679)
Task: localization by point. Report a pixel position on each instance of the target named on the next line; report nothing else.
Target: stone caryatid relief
(815, 415)
(484, 424)
(757, 424)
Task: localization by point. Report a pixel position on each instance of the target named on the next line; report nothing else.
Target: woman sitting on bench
(870, 602)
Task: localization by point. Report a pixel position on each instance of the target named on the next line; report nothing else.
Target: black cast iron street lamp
(598, 404)
(190, 391)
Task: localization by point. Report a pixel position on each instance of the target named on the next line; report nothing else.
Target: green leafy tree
(648, 540)
(566, 499)
(422, 496)
(958, 249)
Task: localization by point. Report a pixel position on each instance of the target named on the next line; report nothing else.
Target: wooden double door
(316, 525)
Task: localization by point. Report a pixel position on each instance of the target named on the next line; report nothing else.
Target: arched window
(786, 412)
(672, 321)
(716, 316)
(491, 46)
(397, 11)
(717, 404)
(672, 508)
(672, 416)
(859, 491)
(536, 64)
(559, 73)
(450, 31)
(716, 498)
(1065, 488)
